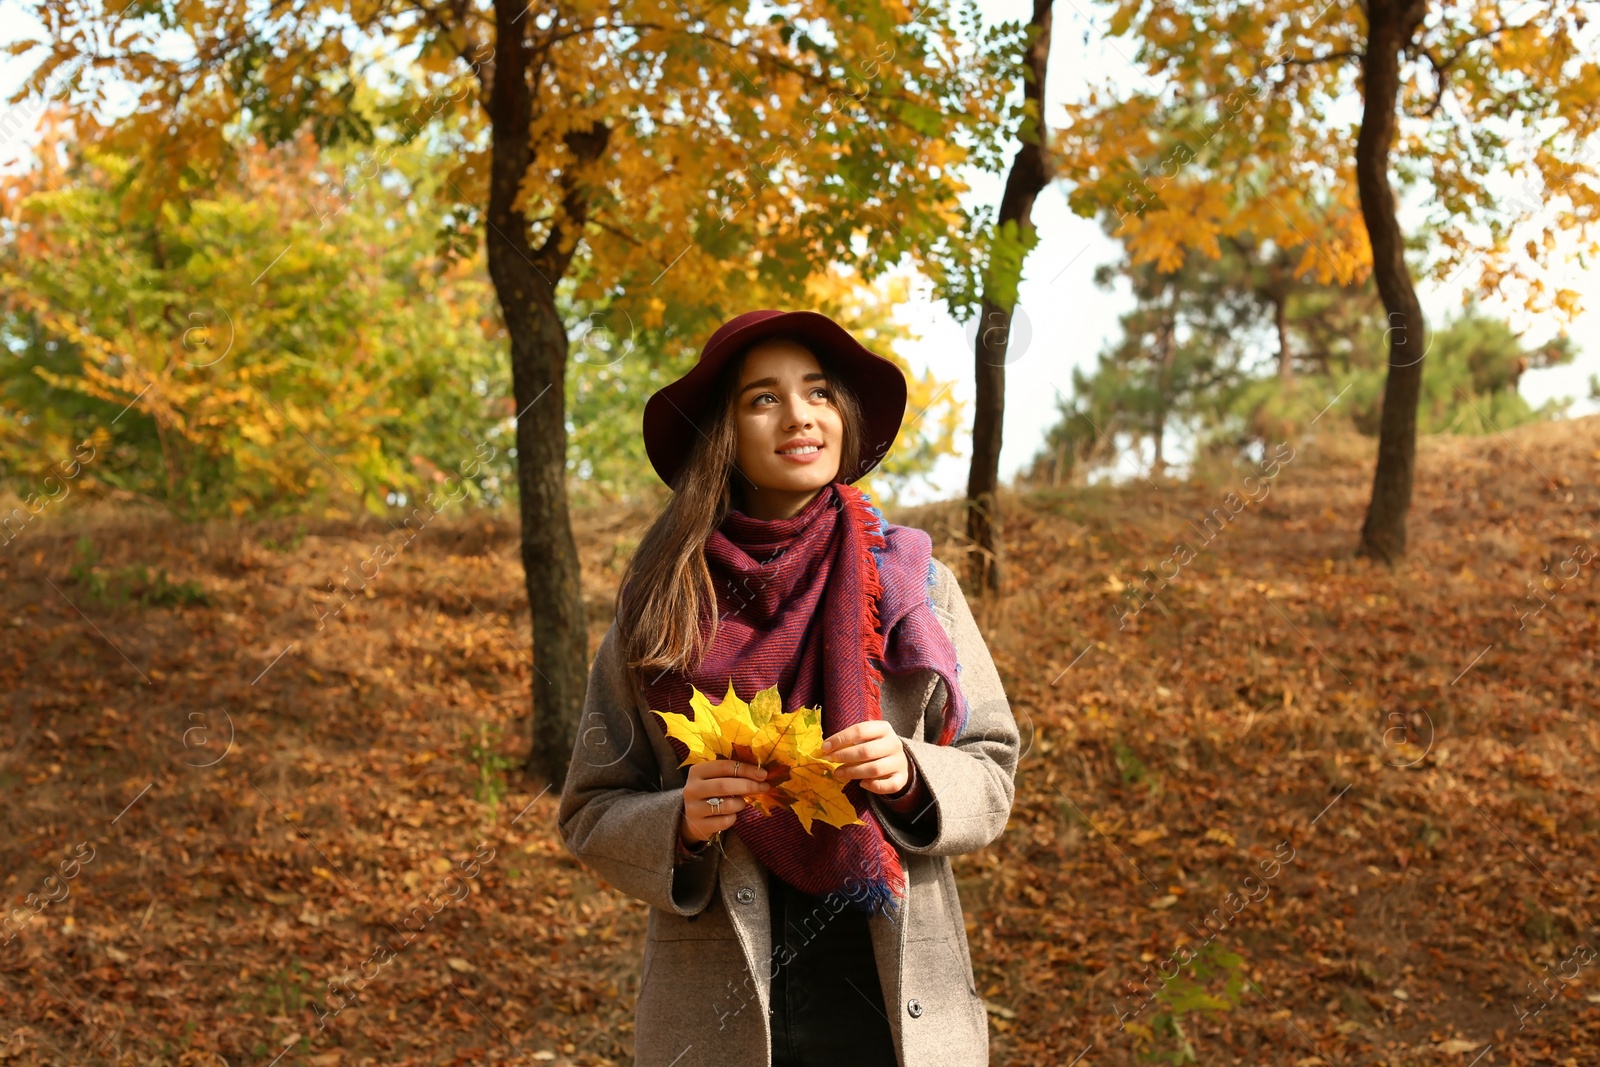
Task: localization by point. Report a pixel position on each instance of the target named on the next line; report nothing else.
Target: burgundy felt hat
(675, 414)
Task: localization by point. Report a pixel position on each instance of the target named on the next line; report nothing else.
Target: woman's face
(790, 431)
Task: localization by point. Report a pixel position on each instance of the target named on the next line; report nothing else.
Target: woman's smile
(803, 450)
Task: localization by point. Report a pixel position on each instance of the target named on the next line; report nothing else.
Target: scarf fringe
(885, 892)
(871, 639)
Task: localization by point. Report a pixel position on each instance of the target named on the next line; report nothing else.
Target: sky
(1067, 318)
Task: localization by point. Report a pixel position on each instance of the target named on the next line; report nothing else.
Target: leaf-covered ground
(1325, 813)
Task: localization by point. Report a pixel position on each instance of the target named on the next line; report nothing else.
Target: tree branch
(1442, 70)
(615, 232)
(468, 51)
(1295, 61)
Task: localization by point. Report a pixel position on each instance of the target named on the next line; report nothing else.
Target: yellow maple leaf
(786, 744)
(819, 795)
(717, 731)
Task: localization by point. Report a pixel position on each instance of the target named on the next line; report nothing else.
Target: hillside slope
(1403, 763)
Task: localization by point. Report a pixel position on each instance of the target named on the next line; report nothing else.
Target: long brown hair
(670, 595)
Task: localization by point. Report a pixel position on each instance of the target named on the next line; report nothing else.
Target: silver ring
(716, 805)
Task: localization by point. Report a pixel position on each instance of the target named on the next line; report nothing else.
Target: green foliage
(293, 343)
(485, 755)
(132, 583)
(615, 364)
(293, 542)
(1008, 250)
(283, 992)
(1469, 382)
(1187, 995)
(291, 353)
(1179, 356)
(1129, 766)
(1238, 352)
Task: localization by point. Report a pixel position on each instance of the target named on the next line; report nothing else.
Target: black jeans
(827, 1003)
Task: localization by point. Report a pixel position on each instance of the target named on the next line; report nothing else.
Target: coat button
(746, 895)
(914, 1007)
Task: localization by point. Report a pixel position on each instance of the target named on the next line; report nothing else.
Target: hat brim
(677, 413)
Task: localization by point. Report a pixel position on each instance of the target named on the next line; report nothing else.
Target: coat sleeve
(614, 814)
(970, 781)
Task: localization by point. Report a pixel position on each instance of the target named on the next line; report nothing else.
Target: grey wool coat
(709, 955)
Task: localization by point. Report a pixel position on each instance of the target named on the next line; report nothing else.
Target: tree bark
(1280, 318)
(984, 568)
(1031, 171)
(1166, 347)
(525, 284)
(1392, 23)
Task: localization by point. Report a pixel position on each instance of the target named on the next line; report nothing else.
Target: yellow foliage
(787, 744)
(1246, 127)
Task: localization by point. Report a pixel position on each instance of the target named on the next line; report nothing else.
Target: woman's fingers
(729, 779)
(703, 827)
(876, 749)
(728, 787)
(878, 768)
(866, 731)
(868, 750)
(723, 778)
(725, 768)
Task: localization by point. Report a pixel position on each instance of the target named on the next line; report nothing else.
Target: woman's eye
(759, 397)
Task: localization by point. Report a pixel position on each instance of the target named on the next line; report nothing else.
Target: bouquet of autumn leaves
(786, 744)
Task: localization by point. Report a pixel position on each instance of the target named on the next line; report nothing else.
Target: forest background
(231, 757)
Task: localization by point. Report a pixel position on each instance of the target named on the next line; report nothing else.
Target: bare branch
(1296, 61)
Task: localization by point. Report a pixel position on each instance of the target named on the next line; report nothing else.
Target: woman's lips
(802, 457)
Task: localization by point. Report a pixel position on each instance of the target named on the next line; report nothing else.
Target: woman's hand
(725, 778)
(872, 752)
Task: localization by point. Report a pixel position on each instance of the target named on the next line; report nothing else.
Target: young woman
(768, 943)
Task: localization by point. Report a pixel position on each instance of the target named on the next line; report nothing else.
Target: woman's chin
(806, 479)
(816, 481)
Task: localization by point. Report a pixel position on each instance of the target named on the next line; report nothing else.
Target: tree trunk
(1280, 316)
(525, 283)
(1166, 344)
(984, 572)
(1392, 24)
(1031, 171)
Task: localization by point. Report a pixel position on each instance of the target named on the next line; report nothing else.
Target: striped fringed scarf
(820, 608)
